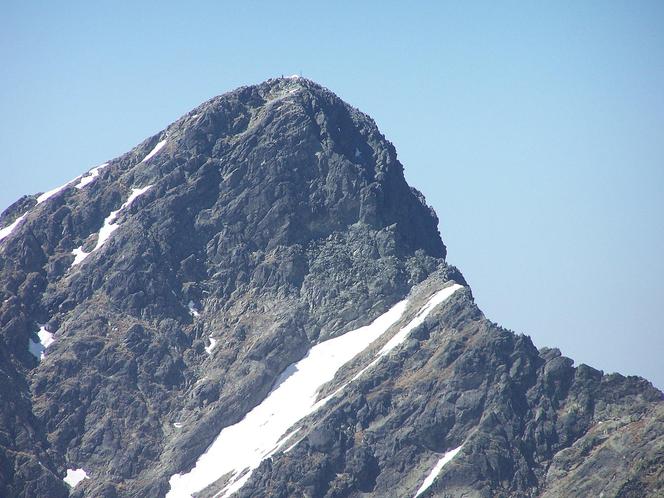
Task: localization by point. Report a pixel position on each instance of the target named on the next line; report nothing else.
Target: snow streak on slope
(154, 151)
(109, 223)
(436, 470)
(51, 193)
(240, 448)
(5, 232)
(108, 228)
(438, 298)
(398, 338)
(90, 176)
(84, 180)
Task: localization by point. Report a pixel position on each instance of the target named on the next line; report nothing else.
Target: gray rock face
(277, 217)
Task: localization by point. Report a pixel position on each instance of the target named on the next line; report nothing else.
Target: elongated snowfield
(245, 444)
(438, 298)
(398, 338)
(47, 195)
(90, 176)
(108, 228)
(109, 223)
(240, 448)
(447, 457)
(84, 180)
(5, 232)
(154, 151)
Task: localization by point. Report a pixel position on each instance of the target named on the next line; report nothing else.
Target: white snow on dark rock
(90, 176)
(447, 457)
(109, 226)
(74, 476)
(38, 349)
(154, 151)
(261, 432)
(5, 232)
(213, 343)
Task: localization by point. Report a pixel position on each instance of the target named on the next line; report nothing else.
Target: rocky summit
(254, 303)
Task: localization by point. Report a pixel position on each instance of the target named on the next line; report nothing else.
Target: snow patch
(84, 180)
(108, 228)
(154, 151)
(261, 432)
(293, 397)
(90, 176)
(74, 476)
(47, 195)
(436, 470)
(213, 343)
(79, 255)
(398, 338)
(438, 298)
(109, 223)
(45, 337)
(192, 309)
(38, 349)
(5, 232)
(177, 425)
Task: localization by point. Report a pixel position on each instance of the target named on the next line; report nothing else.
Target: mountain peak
(329, 162)
(258, 283)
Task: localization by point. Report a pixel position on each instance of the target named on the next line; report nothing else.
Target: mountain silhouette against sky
(254, 302)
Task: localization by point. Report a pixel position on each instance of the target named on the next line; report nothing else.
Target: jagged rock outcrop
(181, 279)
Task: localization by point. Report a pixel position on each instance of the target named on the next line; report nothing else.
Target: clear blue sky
(536, 132)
